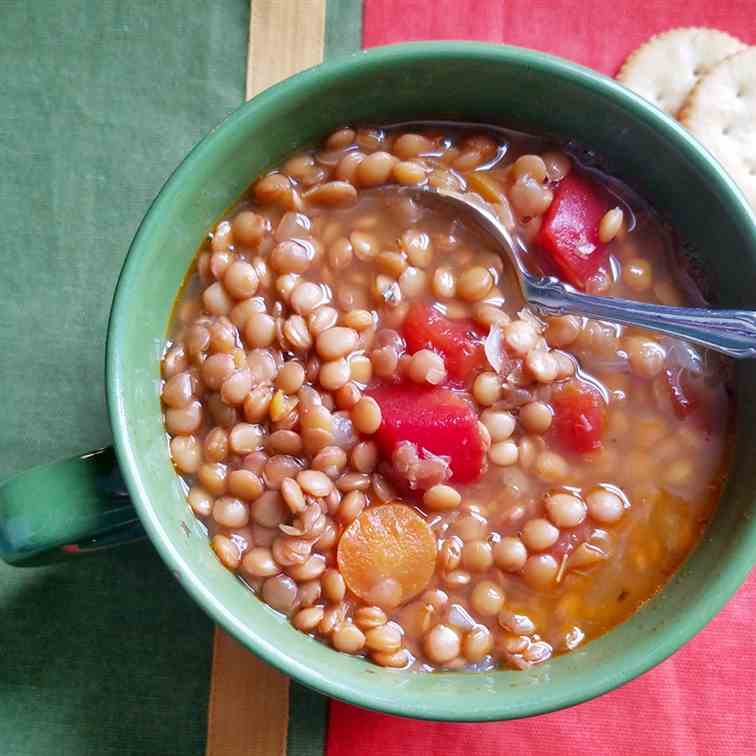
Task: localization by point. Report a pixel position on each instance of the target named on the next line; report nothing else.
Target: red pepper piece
(579, 411)
(459, 342)
(703, 404)
(436, 420)
(569, 232)
(684, 394)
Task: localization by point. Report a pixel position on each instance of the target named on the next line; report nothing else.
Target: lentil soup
(387, 446)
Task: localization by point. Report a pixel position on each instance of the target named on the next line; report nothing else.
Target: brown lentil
(186, 454)
(226, 550)
(385, 639)
(510, 554)
(441, 498)
(366, 415)
(442, 644)
(348, 638)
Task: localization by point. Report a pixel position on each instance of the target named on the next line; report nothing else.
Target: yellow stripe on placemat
(284, 38)
(248, 713)
(249, 703)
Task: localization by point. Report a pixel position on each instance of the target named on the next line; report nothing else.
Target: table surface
(100, 101)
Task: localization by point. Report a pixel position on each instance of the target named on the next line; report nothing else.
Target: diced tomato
(459, 342)
(683, 394)
(579, 411)
(704, 404)
(437, 420)
(569, 232)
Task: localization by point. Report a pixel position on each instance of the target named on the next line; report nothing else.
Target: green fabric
(308, 721)
(343, 32)
(100, 100)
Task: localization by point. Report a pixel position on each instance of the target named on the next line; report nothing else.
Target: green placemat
(99, 101)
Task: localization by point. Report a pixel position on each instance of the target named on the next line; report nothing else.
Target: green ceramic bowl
(445, 80)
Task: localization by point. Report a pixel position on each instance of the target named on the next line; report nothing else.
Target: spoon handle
(731, 332)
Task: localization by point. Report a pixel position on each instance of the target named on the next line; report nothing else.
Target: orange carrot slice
(387, 555)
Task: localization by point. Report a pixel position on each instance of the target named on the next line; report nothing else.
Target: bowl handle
(66, 509)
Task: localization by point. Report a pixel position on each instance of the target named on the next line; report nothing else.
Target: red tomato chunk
(683, 395)
(435, 420)
(459, 342)
(569, 233)
(703, 404)
(579, 411)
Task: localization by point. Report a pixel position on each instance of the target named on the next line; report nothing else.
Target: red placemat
(703, 699)
(596, 33)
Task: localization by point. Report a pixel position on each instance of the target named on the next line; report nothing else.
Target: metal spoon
(731, 332)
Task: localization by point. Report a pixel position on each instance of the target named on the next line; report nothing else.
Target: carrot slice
(387, 555)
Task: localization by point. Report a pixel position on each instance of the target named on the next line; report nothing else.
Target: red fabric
(596, 33)
(702, 701)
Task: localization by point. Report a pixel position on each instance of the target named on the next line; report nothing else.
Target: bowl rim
(693, 617)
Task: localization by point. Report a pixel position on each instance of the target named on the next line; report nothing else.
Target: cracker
(669, 65)
(721, 113)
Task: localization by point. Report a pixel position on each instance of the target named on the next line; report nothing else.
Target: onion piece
(684, 355)
(619, 363)
(293, 225)
(529, 316)
(343, 430)
(459, 618)
(291, 530)
(494, 348)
